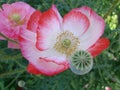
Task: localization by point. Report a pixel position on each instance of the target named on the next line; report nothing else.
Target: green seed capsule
(21, 83)
(81, 62)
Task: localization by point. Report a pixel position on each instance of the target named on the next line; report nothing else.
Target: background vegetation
(106, 70)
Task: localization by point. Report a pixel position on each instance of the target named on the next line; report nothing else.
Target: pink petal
(32, 69)
(33, 21)
(55, 56)
(20, 5)
(13, 45)
(5, 28)
(7, 8)
(99, 46)
(75, 22)
(95, 30)
(27, 42)
(56, 11)
(49, 28)
(4, 22)
(47, 67)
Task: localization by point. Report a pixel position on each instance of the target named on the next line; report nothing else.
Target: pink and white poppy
(13, 18)
(50, 39)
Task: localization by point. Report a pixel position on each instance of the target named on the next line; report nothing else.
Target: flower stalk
(115, 3)
(8, 38)
(12, 72)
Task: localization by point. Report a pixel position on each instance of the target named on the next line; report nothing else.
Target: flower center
(66, 43)
(15, 17)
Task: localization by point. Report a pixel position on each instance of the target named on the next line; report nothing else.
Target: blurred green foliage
(106, 70)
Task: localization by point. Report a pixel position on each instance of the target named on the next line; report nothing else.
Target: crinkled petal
(4, 22)
(75, 22)
(33, 21)
(27, 40)
(95, 30)
(50, 68)
(3, 26)
(7, 8)
(5, 29)
(47, 67)
(52, 54)
(45, 62)
(99, 46)
(49, 28)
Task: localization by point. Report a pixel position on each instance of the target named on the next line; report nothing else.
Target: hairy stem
(115, 3)
(8, 1)
(12, 82)
(8, 38)
(12, 72)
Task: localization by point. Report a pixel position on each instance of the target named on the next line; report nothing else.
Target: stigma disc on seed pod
(21, 83)
(81, 62)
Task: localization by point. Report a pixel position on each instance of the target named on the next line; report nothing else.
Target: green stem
(19, 64)
(12, 72)
(8, 38)
(8, 1)
(99, 71)
(12, 81)
(115, 3)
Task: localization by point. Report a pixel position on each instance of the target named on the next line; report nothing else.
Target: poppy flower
(13, 18)
(50, 40)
